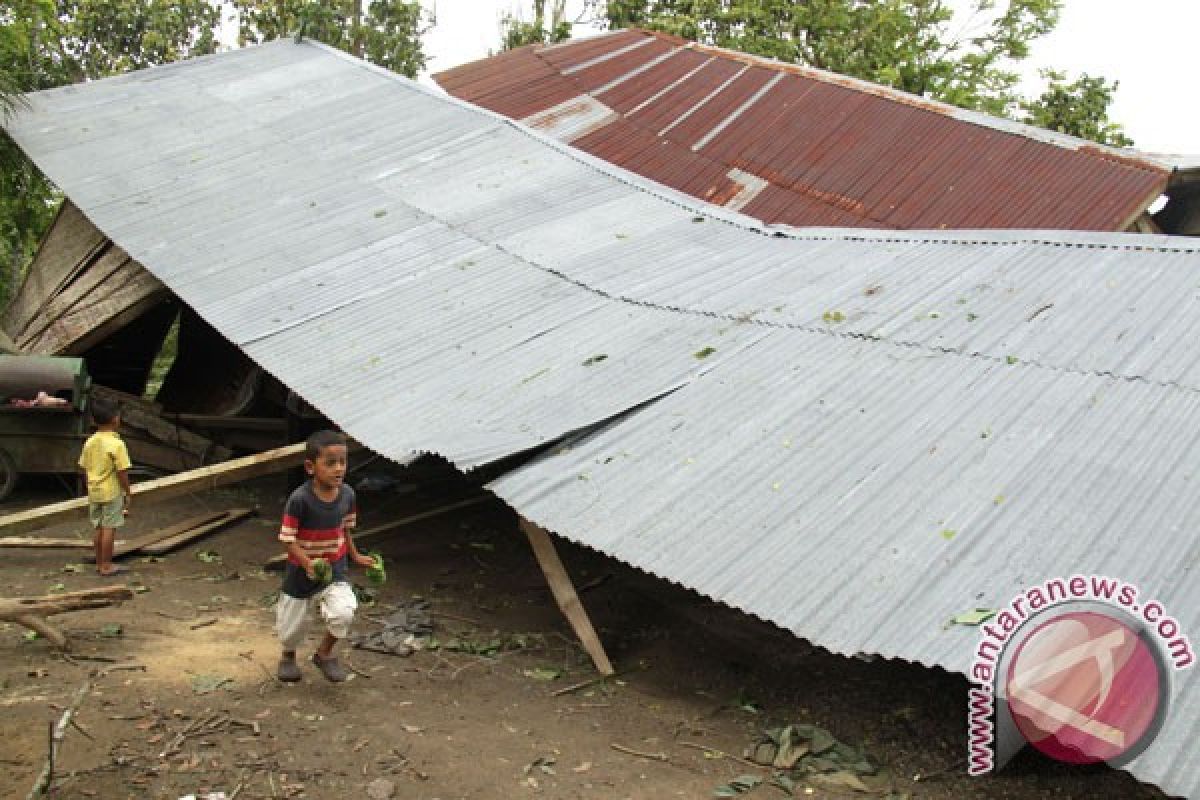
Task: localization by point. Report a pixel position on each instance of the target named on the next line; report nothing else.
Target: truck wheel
(8, 474)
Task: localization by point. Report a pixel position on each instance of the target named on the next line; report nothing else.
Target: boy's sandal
(330, 668)
(288, 670)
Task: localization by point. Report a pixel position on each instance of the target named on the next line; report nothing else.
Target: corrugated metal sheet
(875, 156)
(436, 278)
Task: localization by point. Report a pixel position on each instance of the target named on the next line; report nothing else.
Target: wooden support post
(565, 594)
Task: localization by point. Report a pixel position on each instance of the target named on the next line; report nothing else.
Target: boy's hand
(363, 561)
(309, 571)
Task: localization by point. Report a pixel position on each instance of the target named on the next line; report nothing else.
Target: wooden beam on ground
(179, 540)
(565, 594)
(42, 541)
(196, 480)
(277, 562)
(125, 547)
(32, 611)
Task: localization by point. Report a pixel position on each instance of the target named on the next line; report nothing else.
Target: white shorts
(336, 605)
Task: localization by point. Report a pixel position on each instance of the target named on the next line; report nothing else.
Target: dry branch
(32, 611)
(42, 786)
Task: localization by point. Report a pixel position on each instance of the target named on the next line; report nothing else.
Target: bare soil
(452, 723)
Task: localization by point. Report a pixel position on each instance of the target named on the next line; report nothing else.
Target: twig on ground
(350, 666)
(41, 786)
(75, 724)
(172, 616)
(120, 667)
(918, 778)
(721, 753)
(448, 615)
(467, 665)
(630, 751)
(203, 624)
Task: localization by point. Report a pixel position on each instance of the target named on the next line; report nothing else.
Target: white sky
(1142, 44)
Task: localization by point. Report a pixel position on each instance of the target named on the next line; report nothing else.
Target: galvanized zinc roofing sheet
(832, 149)
(786, 421)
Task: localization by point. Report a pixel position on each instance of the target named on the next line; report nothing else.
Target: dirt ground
(475, 718)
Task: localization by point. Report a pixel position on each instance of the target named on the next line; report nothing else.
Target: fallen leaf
(584, 767)
(842, 778)
(543, 673)
(596, 359)
(705, 352)
(974, 617)
(206, 684)
(209, 556)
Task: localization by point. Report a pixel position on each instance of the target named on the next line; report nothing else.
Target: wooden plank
(140, 415)
(265, 424)
(110, 270)
(565, 594)
(83, 326)
(69, 245)
(196, 480)
(124, 547)
(42, 541)
(148, 298)
(167, 545)
(276, 562)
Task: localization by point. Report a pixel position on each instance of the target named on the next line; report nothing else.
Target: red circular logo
(1084, 687)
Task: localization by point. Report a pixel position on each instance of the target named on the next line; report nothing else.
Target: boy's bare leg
(103, 542)
(325, 649)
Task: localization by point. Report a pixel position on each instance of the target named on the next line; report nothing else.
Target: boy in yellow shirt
(106, 462)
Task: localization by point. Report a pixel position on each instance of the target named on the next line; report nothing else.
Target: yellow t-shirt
(103, 456)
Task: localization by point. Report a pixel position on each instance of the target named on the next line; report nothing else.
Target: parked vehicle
(43, 416)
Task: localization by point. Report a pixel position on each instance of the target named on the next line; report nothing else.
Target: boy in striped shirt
(317, 521)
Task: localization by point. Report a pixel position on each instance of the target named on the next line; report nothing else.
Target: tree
(1079, 108)
(515, 32)
(386, 32)
(908, 44)
(48, 43)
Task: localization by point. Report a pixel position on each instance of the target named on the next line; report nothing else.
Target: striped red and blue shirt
(320, 528)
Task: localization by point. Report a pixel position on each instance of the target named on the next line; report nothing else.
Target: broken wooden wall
(80, 289)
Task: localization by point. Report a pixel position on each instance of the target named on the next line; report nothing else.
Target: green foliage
(914, 45)
(108, 37)
(322, 570)
(48, 43)
(1079, 108)
(385, 32)
(377, 572)
(515, 32)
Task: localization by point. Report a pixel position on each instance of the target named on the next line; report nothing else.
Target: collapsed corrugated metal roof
(826, 404)
(791, 144)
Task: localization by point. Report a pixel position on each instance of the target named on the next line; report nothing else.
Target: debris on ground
(805, 753)
(401, 629)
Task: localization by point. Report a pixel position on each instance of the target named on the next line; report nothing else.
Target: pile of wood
(158, 442)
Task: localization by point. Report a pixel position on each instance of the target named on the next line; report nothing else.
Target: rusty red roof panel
(794, 145)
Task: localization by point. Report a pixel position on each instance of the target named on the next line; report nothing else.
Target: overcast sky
(1142, 44)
